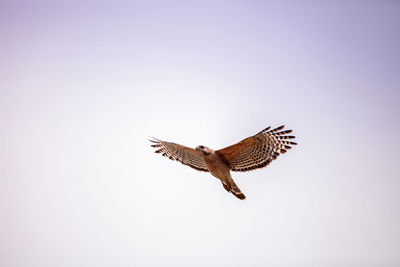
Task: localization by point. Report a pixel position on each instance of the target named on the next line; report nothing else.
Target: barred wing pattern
(186, 155)
(257, 151)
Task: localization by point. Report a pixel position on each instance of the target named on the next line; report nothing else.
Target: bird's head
(205, 150)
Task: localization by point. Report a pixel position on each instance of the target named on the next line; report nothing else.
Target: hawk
(251, 153)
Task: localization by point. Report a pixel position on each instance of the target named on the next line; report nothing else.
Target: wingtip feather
(154, 140)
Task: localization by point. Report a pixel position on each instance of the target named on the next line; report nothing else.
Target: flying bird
(251, 153)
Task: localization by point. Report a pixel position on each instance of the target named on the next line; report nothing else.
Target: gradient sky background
(83, 84)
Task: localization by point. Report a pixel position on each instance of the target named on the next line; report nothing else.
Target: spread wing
(257, 151)
(186, 155)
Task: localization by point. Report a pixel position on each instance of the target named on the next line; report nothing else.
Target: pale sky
(84, 84)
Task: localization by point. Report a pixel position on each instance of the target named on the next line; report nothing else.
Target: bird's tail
(235, 190)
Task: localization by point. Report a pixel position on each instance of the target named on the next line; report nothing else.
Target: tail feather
(235, 190)
(239, 195)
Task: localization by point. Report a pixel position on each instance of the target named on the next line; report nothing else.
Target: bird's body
(216, 166)
(219, 169)
(251, 153)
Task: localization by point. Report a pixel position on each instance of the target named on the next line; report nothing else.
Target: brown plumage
(251, 153)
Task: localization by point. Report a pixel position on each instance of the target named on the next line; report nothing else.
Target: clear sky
(83, 84)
